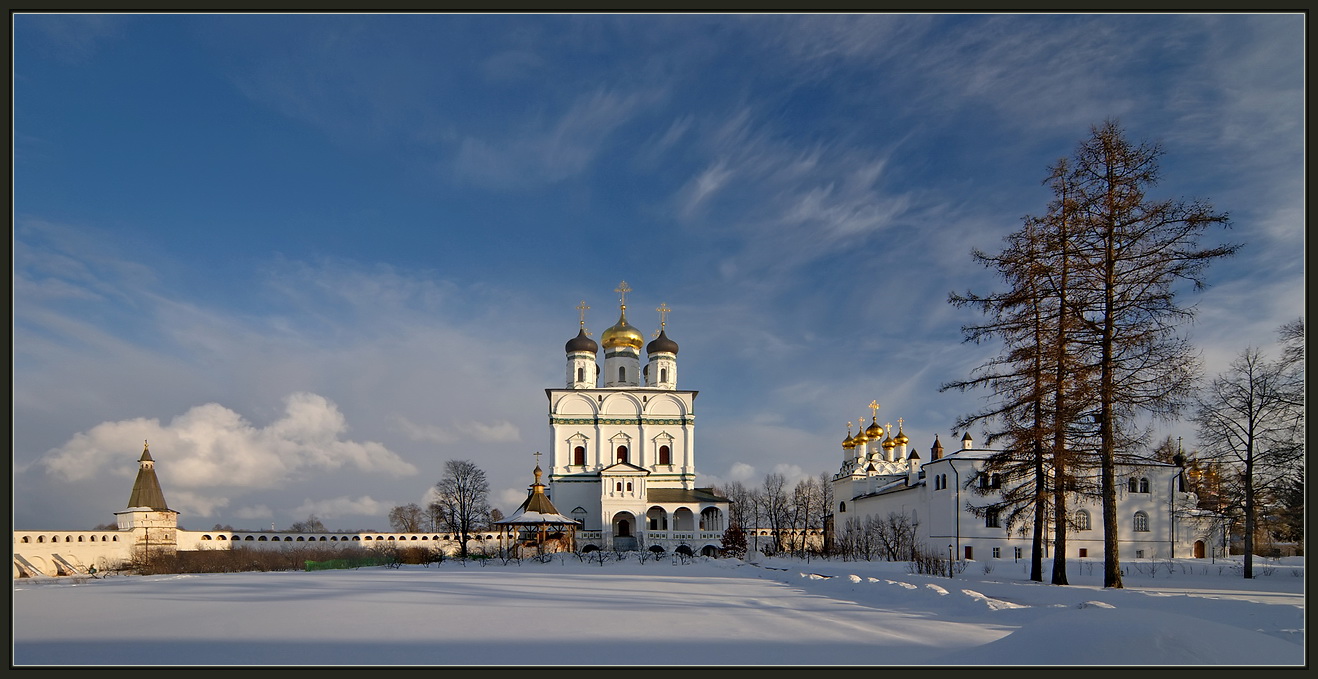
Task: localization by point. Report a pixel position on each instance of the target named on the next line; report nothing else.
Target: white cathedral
(622, 444)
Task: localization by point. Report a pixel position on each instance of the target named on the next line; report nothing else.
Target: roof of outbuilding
(677, 495)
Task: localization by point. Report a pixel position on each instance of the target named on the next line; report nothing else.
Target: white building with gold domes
(881, 477)
(622, 444)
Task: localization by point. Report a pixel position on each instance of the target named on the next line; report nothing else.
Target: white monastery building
(881, 476)
(622, 444)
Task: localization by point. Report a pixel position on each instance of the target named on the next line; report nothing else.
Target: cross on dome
(582, 307)
(622, 291)
(663, 317)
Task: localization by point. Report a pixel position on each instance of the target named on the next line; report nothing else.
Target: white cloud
(533, 153)
(211, 446)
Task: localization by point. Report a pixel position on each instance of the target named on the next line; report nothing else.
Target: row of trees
(1089, 324)
(787, 510)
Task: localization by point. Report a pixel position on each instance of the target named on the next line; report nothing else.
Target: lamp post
(949, 561)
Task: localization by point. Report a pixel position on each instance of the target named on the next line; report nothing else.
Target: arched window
(983, 480)
(27, 539)
(663, 374)
(629, 486)
(711, 519)
(622, 453)
(579, 515)
(579, 455)
(1144, 485)
(619, 487)
(41, 539)
(665, 455)
(996, 482)
(1082, 520)
(205, 537)
(79, 538)
(622, 374)
(1132, 485)
(657, 518)
(991, 519)
(1141, 522)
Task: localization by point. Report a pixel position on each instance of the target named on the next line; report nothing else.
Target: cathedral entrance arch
(1198, 549)
(624, 524)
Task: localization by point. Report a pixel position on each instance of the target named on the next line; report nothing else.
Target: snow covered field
(662, 613)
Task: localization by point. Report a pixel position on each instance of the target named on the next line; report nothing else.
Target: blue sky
(313, 257)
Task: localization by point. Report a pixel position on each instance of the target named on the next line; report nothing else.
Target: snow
(705, 612)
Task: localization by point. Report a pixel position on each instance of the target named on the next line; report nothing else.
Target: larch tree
(463, 492)
(1131, 253)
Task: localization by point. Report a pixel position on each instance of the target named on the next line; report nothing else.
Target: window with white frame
(1141, 522)
(1082, 521)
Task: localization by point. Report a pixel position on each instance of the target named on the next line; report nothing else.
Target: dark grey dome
(661, 344)
(582, 343)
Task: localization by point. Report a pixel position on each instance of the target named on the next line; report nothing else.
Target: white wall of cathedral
(595, 429)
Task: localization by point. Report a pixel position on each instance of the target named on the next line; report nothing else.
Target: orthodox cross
(663, 316)
(888, 427)
(899, 424)
(622, 290)
(537, 458)
(874, 408)
(582, 308)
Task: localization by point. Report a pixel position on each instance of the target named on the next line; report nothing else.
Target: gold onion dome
(902, 439)
(848, 443)
(874, 431)
(622, 334)
(888, 442)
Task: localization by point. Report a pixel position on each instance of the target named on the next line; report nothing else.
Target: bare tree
(407, 518)
(435, 515)
(311, 525)
(775, 508)
(1246, 421)
(463, 493)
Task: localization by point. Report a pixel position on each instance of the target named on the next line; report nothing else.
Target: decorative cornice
(688, 419)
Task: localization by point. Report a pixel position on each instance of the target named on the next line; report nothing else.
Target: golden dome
(901, 439)
(888, 443)
(848, 443)
(622, 334)
(874, 431)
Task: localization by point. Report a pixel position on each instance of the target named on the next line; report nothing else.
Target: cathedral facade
(622, 444)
